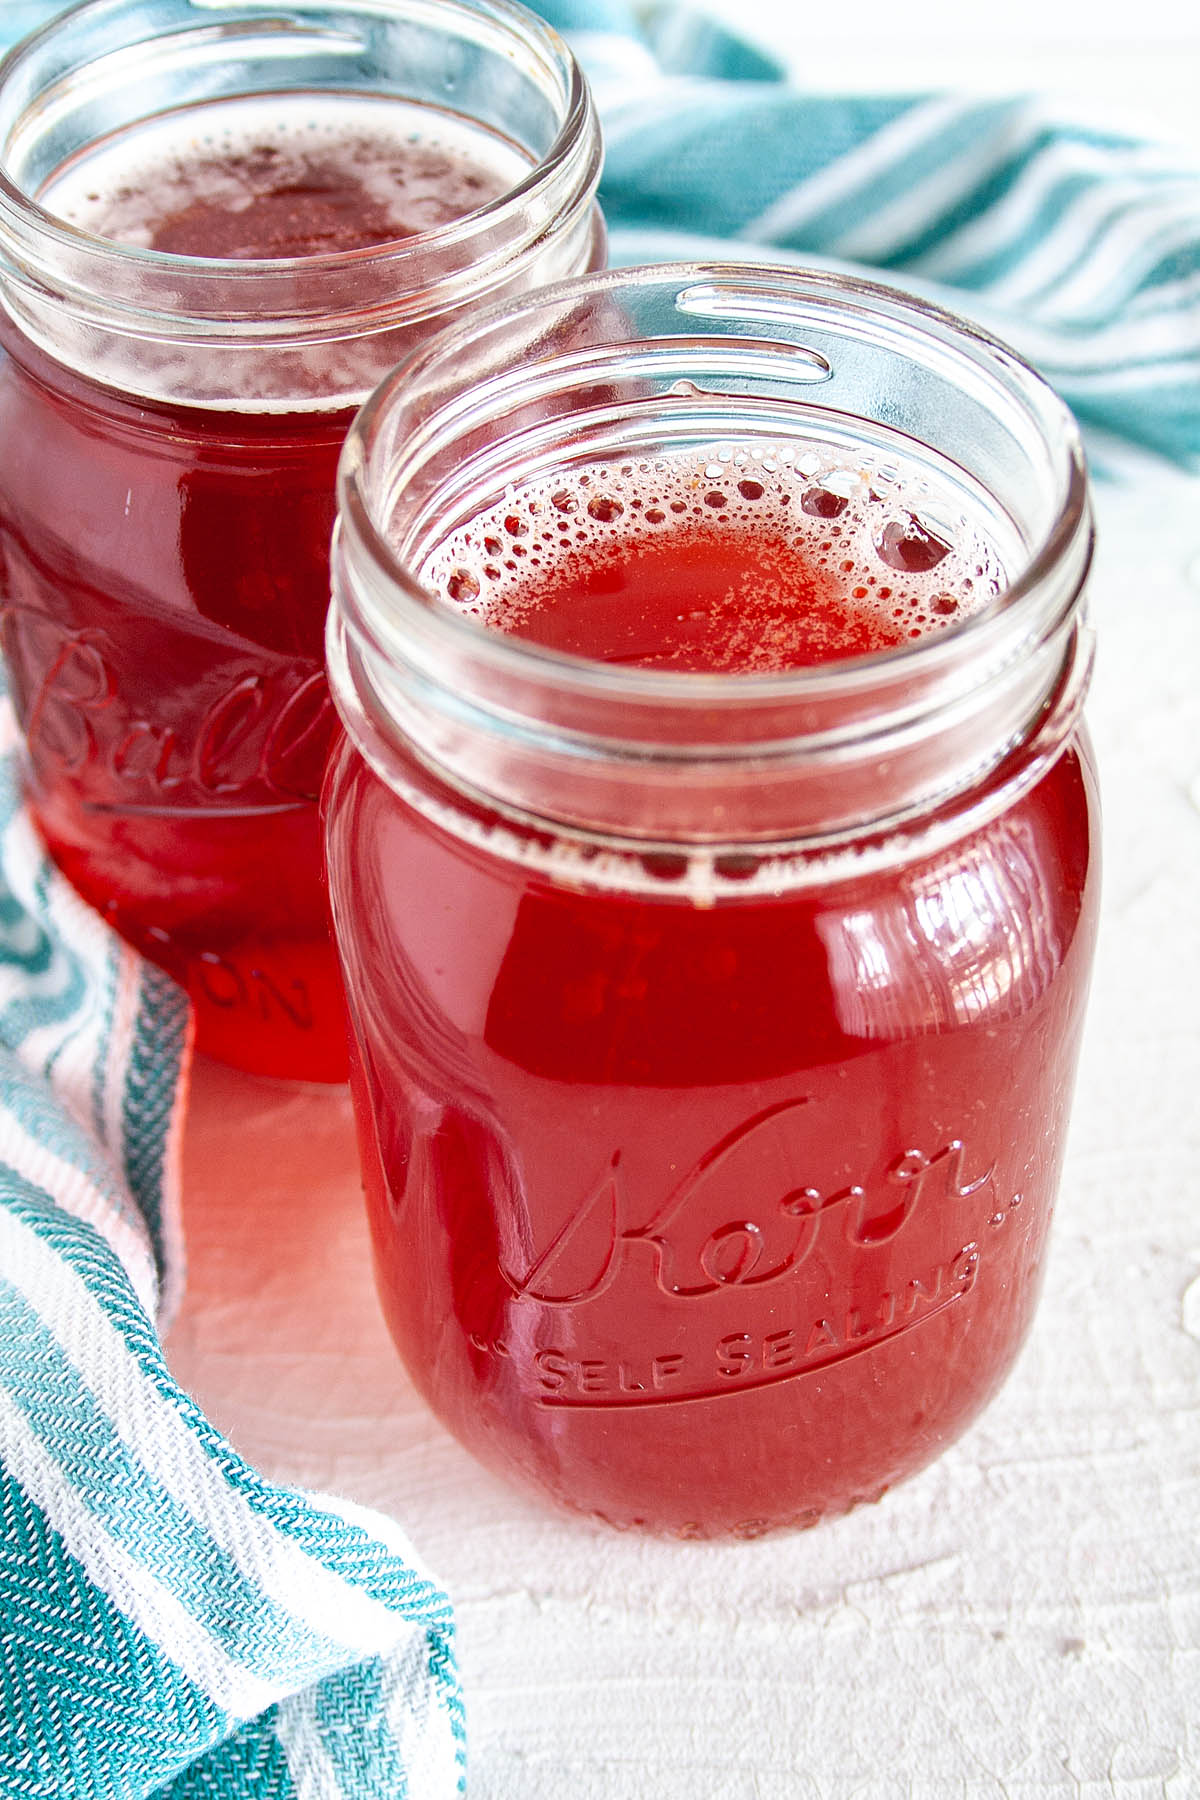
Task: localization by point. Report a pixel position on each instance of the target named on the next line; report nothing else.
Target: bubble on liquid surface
(823, 503)
(911, 546)
(462, 587)
(604, 509)
(296, 174)
(598, 515)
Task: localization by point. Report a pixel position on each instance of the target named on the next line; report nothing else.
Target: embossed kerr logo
(707, 1238)
(597, 1242)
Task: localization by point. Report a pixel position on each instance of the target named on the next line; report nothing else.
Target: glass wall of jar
(712, 864)
(220, 224)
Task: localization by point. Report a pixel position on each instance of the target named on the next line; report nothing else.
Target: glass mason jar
(715, 1031)
(172, 408)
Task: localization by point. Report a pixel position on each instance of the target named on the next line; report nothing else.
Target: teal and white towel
(170, 1624)
(1079, 247)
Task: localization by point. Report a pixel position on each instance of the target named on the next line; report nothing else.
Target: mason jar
(220, 223)
(715, 1014)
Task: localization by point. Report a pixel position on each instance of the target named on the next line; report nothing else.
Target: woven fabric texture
(1079, 247)
(169, 1623)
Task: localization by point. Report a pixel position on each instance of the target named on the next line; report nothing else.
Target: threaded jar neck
(215, 331)
(636, 368)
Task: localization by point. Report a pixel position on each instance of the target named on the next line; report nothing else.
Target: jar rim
(22, 214)
(1067, 540)
(818, 752)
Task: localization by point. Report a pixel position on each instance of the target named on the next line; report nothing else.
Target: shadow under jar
(712, 865)
(220, 224)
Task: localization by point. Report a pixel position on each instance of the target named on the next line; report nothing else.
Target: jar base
(266, 1002)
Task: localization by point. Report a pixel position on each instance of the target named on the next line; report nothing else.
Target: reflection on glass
(971, 937)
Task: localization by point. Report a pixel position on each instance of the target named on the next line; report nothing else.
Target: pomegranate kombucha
(709, 1183)
(164, 634)
(228, 278)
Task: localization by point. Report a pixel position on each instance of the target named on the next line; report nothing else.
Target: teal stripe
(31, 1105)
(971, 206)
(443, 1673)
(28, 1104)
(1118, 278)
(674, 166)
(82, 1247)
(138, 1512)
(23, 942)
(351, 1715)
(689, 43)
(1108, 281)
(1167, 421)
(251, 1765)
(344, 1549)
(974, 206)
(1180, 264)
(1046, 218)
(591, 15)
(151, 1082)
(883, 187)
(89, 1708)
(31, 1011)
(349, 1551)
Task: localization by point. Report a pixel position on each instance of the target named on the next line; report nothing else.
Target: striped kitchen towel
(1079, 247)
(170, 1624)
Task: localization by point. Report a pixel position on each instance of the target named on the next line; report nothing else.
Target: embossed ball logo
(258, 738)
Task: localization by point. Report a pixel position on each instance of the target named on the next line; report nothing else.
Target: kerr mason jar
(716, 1004)
(220, 223)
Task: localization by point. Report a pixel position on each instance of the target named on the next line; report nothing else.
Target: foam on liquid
(901, 548)
(838, 557)
(295, 174)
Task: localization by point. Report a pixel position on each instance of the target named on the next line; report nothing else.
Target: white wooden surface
(1023, 1620)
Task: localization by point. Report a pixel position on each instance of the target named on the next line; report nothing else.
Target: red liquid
(303, 175)
(709, 1217)
(704, 601)
(164, 582)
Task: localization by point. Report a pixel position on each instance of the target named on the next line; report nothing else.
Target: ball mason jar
(715, 1032)
(171, 417)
